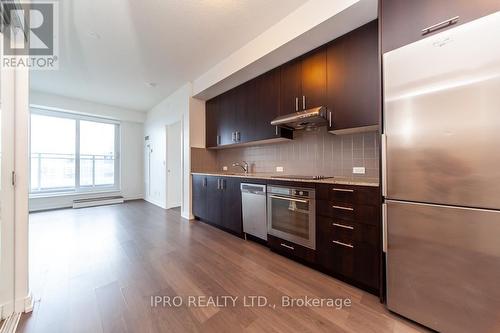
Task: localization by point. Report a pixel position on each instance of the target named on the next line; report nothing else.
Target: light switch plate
(359, 170)
(224, 168)
(280, 169)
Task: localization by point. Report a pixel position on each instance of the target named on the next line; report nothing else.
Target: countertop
(273, 176)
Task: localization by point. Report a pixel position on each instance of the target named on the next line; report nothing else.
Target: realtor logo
(31, 38)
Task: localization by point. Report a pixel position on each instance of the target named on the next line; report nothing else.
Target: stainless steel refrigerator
(441, 178)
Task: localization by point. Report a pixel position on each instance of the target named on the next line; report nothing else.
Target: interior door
(441, 117)
(7, 204)
(443, 265)
(174, 164)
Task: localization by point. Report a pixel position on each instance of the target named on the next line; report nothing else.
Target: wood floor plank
(97, 269)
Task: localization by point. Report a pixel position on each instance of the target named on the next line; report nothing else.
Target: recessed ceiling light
(94, 34)
(152, 84)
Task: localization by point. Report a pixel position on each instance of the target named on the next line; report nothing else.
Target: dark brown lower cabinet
(350, 250)
(231, 205)
(348, 237)
(290, 249)
(199, 196)
(217, 200)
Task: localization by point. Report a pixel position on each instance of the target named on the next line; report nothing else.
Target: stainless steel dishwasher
(253, 202)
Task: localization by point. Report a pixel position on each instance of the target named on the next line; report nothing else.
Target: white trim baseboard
(10, 323)
(156, 203)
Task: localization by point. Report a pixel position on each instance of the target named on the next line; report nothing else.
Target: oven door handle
(288, 199)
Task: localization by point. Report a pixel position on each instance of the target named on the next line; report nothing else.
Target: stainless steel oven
(291, 214)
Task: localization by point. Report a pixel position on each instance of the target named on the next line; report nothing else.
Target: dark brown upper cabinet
(353, 80)
(314, 79)
(211, 122)
(303, 82)
(402, 21)
(244, 114)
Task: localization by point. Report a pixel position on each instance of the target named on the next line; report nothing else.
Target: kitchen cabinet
(349, 233)
(213, 201)
(244, 114)
(291, 249)
(353, 80)
(217, 200)
(211, 122)
(265, 106)
(199, 196)
(402, 22)
(231, 205)
(303, 82)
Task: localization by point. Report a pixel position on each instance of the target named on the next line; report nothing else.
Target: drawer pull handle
(343, 226)
(344, 244)
(287, 246)
(344, 208)
(343, 190)
(440, 25)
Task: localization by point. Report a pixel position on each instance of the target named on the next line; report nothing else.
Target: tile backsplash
(310, 153)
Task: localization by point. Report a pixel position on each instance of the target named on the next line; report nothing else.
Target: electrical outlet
(224, 168)
(280, 169)
(359, 170)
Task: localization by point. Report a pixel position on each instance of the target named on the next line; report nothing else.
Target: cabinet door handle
(287, 246)
(276, 130)
(440, 25)
(296, 104)
(343, 244)
(218, 139)
(330, 118)
(238, 136)
(219, 185)
(343, 190)
(303, 102)
(343, 226)
(233, 136)
(344, 208)
(223, 184)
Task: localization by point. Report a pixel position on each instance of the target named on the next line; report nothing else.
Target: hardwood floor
(95, 270)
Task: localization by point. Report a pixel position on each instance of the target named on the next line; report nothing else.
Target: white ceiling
(110, 50)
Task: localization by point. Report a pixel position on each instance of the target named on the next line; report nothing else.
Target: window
(73, 153)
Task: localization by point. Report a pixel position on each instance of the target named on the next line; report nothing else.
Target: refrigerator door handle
(384, 228)
(383, 140)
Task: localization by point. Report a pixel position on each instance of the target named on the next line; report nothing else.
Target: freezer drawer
(442, 119)
(443, 266)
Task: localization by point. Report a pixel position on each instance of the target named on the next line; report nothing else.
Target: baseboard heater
(101, 201)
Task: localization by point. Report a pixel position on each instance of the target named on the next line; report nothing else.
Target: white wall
(131, 147)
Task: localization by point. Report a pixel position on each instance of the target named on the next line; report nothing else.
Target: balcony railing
(59, 172)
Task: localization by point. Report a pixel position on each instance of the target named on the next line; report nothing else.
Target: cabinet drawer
(344, 260)
(290, 249)
(348, 232)
(349, 212)
(349, 194)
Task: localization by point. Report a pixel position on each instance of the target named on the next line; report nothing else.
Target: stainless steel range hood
(308, 119)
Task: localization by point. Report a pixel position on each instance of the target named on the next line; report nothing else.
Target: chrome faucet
(244, 166)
